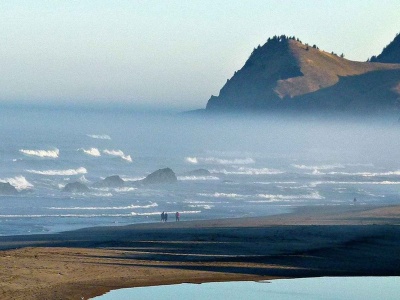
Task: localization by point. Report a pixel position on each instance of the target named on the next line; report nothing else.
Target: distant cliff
(286, 75)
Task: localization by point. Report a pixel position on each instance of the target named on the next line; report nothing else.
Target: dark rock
(7, 189)
(165, 175)
(111, 182)
(75, 187)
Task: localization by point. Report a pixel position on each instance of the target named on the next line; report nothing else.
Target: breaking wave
(92, 152)
(118, 153)
(19, 182)
(362, 174)
(105, 208)
(99, 136)
(214, 160)
(41, 153)
(248, 171)
(68, 172)
(193, 178)
(385, 182)
(222, 195)
(272, 197)
(320, 167)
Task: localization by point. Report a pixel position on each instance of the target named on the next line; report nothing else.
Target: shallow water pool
(326, 288)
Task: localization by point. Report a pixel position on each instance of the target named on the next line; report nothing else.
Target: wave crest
(99, 136)
(219, 161)
(68, 172)
(92, 152)
(118, 153)
(41, 153)
(19, 182)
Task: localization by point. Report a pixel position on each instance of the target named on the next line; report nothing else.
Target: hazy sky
(166, 53)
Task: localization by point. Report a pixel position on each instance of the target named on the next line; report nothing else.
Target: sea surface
(322, 288)
(258, 165)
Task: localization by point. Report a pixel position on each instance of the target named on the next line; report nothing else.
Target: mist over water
(259, 165)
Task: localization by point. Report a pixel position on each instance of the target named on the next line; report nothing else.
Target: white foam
(19, 182)
(362, 174)
(66, 216)
(220, 161)
(118, 153)
(105, 208)
(194, 178)
(83, 179)
(191, 160)
(248, 171)
(273, 197)
(99, 136)
(204, 206)
(385, 182)
(319, 167)
(132, 178)
(41, 153)
(68, 172)
(186, 212)
(222, 195)
(92, 151)
(102, 194)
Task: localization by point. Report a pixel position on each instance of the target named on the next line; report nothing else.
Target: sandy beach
(311, 241)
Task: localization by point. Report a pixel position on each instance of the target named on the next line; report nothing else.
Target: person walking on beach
(177, 216)
(165, 217)
(162, 217)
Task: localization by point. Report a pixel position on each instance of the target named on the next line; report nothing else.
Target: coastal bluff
(286, 75)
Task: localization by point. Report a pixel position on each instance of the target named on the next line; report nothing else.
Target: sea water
(258, 165)
(323, 288)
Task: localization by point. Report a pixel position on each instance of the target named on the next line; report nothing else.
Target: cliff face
(285, 74)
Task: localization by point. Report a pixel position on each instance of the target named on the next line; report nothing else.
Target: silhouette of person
(177, 216)
(165, 217)
(354, 200)
(162, 217)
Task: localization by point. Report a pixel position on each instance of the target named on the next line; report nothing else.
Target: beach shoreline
(353, 240)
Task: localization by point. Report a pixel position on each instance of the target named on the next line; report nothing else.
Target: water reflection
(326, 288)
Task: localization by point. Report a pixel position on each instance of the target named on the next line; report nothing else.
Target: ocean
(258, 165)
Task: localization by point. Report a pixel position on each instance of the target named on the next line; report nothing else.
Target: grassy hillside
(286, 73)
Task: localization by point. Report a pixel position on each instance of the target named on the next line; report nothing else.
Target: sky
(166, 54)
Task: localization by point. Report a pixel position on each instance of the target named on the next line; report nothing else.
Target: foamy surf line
(41, 153)
(118, 153)
(197, 178)
(91, 151)
(99, 136)
(105, 208)
(68, 172)
(220, 161)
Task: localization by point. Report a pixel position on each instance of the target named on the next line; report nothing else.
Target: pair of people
(164, 216)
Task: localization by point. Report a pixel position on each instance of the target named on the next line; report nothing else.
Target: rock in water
(165, 175)
(75, 187)
(111, 182)
(7, 189)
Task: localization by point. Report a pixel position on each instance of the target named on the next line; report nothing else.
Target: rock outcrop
(75, 187)
(110, 182)
(287, 75)
(7, 189)
(161, 176)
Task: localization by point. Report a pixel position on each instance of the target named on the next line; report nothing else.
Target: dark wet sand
(311, 241)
